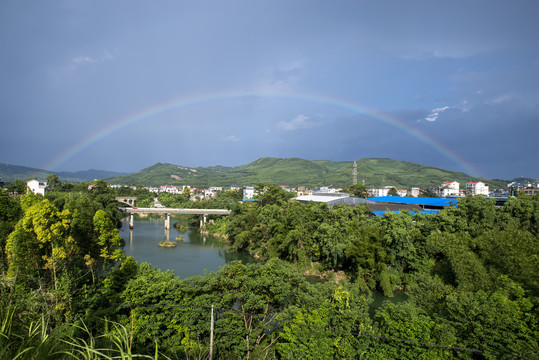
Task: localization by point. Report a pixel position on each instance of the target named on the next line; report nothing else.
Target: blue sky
(121, 85)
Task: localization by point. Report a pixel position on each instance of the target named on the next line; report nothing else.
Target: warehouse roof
(412, 212)
(416, 201)
(334, 199)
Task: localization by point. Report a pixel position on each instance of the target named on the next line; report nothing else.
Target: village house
(248, 192)
(381, 192)
(402, 192)
(415, 191)
(448, 188)
(477, 188)
(171, 189)
(37, 186)
(302, 190)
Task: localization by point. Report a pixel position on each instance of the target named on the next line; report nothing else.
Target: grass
(38, 341)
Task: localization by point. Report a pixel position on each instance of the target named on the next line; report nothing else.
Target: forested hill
(295, 172)
(9, 173)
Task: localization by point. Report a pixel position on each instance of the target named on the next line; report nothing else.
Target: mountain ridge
(10, 173)
(292, 172)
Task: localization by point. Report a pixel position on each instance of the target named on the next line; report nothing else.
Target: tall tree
(53, 182)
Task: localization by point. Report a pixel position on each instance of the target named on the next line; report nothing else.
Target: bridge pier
(167, 221)
(202, 220)
(168, 212)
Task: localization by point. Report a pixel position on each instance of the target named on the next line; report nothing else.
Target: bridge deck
(175, 211)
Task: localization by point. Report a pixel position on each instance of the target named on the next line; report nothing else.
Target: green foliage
(109, 239)
(173, 200)
(428, 192)
(295, 172)
(18, 187)
(10, 213)
(53, 182)
(357, 190)
(271, 194)
(469, 273)
(405, 321)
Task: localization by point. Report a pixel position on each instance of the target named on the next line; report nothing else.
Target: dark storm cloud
(71, 69)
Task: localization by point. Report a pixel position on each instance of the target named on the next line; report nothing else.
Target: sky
(121, 85)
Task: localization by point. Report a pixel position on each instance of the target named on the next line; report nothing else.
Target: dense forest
(465, 279)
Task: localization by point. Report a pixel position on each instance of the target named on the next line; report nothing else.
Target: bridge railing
(169, 211)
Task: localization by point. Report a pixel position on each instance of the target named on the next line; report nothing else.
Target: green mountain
(294, 172)
(9, 173)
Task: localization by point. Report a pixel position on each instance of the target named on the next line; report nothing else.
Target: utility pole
(211, 334)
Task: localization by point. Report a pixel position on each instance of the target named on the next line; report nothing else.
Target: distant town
(448, 189)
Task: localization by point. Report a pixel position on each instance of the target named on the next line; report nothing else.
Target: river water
(191, 257)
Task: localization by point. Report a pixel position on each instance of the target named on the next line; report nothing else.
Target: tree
(18, 187)
(392, 192)
(53, 182)
(405, 321)
(40, 243)
(10, 213)
(357, 190)
(109, 239)
(427, 193)
(99, 187)
(326, 331)
(271, 194)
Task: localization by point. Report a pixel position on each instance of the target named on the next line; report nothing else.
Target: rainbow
(181, 102)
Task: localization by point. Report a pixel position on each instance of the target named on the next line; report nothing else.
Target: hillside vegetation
(9, 173)
(294, 172)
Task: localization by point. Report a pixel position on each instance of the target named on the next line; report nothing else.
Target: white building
(248, 192)
(302, 190)
(381, 192)
(211, 192)
(415, 191)
(449, 188)
(37, 186)
(402, 193)
(170, 189)
(477, 188)
(326, 189)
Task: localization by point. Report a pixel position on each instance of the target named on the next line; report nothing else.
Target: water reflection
(190, 257)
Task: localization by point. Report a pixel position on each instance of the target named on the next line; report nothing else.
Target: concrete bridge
(168, 211)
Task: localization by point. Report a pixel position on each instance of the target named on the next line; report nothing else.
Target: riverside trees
(457, 266)
(469, 274)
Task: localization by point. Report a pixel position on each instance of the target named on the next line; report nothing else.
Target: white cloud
(434, 113)
(78, 61)
(83, 59)
(281, 78)
(230, 138)
(500, 99)
(299, 122)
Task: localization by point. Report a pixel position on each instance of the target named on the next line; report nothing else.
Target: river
(192, 256)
